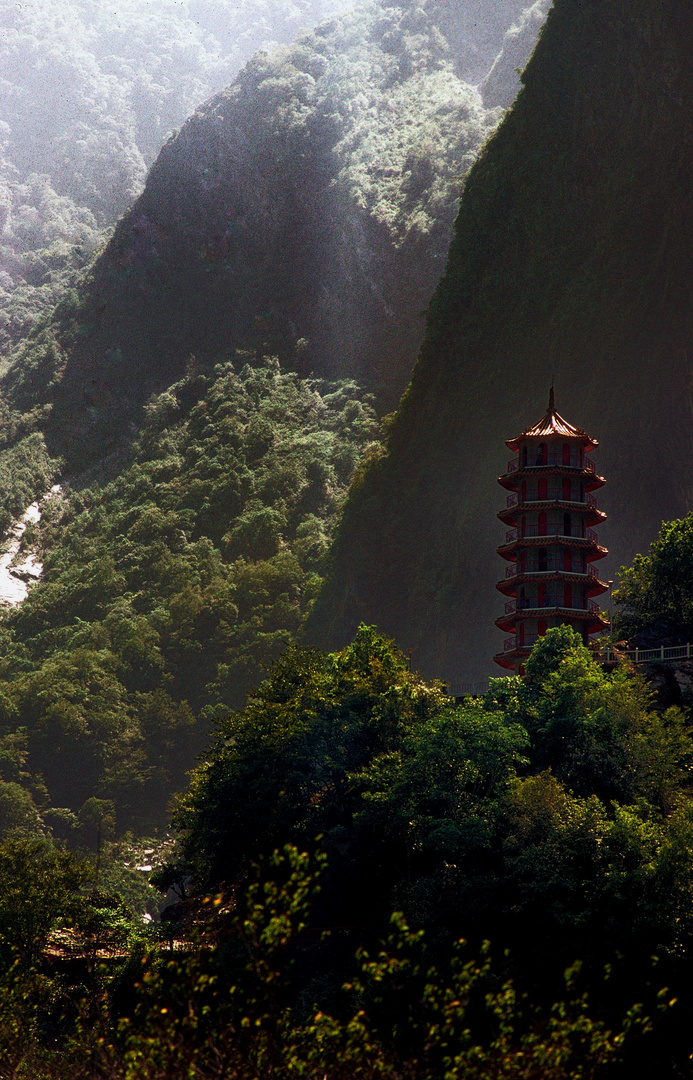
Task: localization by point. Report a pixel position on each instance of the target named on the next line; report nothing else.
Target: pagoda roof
(552, 423)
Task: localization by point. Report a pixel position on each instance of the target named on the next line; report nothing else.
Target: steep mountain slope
(309, 206)
(572, 258)
(167, 592)
(88, 96)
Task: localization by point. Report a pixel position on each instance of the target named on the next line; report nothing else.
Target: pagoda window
(543, 559)
(567, 596)
(523, 561)
(542, 627)
(567, 559)
(566, 490)
(567, 525)
(521, 634)
(523, 526)
(523, 457)
(541, 454)
(523, 496)
(566, 453)
(543, 521)
(543, 490)
(541, 601)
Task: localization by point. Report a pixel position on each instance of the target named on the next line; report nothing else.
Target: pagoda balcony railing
(552, 461)
(551, 567)
(554, 495)
(551, 530)
(549, 601)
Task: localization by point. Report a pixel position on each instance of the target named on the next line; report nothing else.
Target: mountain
(572, 261)
(87, 98)
(314, 197)
(305, 210)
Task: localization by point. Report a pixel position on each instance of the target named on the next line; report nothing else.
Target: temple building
(550, 545)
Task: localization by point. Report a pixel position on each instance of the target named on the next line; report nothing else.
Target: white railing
(645, 656)
(636, 656)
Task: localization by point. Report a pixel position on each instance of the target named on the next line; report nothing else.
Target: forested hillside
(571, 261)
(205, 515)
(166, 592)
(307, 209)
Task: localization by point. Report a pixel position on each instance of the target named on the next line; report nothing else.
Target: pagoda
(550, 544)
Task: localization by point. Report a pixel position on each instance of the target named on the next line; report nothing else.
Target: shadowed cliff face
(572, 259)
(306, 210)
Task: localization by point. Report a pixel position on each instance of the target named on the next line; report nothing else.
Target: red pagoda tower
(550, 544)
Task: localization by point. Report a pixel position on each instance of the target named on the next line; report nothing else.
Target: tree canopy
(655, 593)
(553, 814)
(165, 591)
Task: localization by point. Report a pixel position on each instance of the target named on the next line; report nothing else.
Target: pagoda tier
(550, 543)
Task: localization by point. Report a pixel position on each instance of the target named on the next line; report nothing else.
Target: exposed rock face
(573, 260)
(502, 83)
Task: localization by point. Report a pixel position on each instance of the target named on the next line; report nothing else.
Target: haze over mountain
(572, 260)
(307, 209)
(89, 93)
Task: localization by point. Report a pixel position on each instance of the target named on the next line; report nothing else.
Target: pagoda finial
(552, 402)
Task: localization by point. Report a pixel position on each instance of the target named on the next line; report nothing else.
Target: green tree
(39, 892)
(658, 587)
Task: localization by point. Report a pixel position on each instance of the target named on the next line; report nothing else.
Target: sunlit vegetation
(167, 590)
(370, 115)
(655, 595)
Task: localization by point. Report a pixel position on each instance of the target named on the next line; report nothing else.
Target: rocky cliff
(571, 261)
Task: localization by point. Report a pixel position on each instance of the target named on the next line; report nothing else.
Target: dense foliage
(555, 810)
(655, 594)
(165, 591)
(554, 815)
(571, 258)
(89, 95)
(186, 1015)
